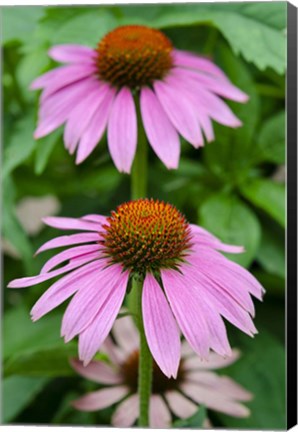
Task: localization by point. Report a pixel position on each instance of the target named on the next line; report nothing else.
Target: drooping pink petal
(122, 130)
(34, 280)
(72, 53)
(126, 334)
(100, 399)
(222, 88)
(214, 361)
(86, 304)
(180, 405)
(63, 289)
(93, 336)
(193, 61)
(67, 223)
(204, 237)
(159, 130)
(82, 114)
(161, 329)
(187, 310)
(206, 125)
(180, 112)
(221, 384)
(68, 254)
(127, 412)
(68, 240)
(96, 127)
(61, 76)
(95, 218)
(159, 414)
(214, 400)
(97, 371)
(116, 354)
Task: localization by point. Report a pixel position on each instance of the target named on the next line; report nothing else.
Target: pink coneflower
(187, 283)
(179, 94)
(195, 384)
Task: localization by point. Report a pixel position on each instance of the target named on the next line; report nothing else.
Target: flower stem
(139, 182)
(145, 363)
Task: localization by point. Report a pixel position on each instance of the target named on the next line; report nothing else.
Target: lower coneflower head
(187, 284)
(196, 383)
(179, 94)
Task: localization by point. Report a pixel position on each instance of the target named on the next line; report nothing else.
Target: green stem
(139, 182)
(145, 362)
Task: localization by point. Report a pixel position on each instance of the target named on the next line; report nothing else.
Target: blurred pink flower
(179, 93)
(186, 281)
(195, 384)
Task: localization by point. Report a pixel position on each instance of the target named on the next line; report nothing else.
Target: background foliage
(234, 187)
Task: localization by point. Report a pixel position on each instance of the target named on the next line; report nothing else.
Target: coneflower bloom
(196, 383)
(179, 94)
(187, 283)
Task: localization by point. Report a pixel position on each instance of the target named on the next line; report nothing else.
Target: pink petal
(61, 76)
(126, 334)
(72, 53)
(87, 303)
(115, 354)
(222, 88)
(214, 361)
(68, 254)
(204, 237)
(179, 110)
(159, 130)
(94, 335)
(180, 405)
(159, 414)
(97, 371)
(100, 399)
(193, 61)
(127, 412)
(68, 240)
(212, 399)
(71, 224)
(122, 130)
(161, 329)
(187, 311)
(63, 289)
(96, 127)
(82, 114)
(95, 218)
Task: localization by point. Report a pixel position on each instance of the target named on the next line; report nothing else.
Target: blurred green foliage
(229, 187)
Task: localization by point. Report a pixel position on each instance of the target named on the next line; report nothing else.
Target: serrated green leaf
(20, 146)
(19, 23)
(269, 196)
(271, 140)
(265, 46)
(261, 370)
(234, 223)
(18, 392)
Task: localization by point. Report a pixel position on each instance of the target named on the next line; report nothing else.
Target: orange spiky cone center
(146, 235)
(133, 56)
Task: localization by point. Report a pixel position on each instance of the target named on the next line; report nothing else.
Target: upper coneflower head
(179, 93)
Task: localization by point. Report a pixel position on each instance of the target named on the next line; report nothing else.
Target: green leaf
(85, 26)
(20, 146)
(18, 392)
(195, 421)
(11, 227)
(230, 156)
(261, 370)
(44, 148)
(234, 223)
(268, 196)
(271, 254)
(271, 140)
(19, 23)
(265, 45)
